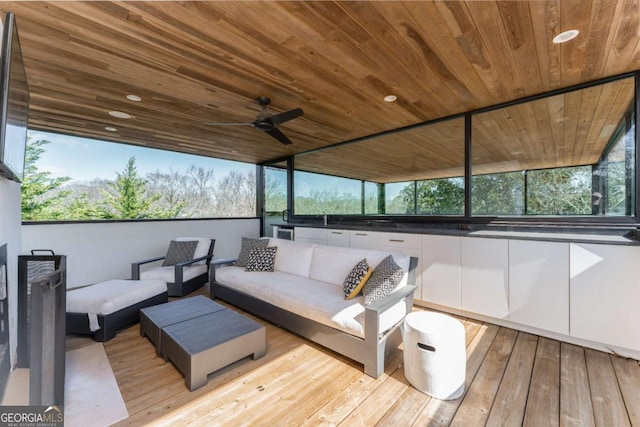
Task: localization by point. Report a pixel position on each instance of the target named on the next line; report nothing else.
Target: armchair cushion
(179, 251)
(201, 250)
(167, 274)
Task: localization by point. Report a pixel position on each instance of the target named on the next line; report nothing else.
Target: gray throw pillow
(179, 252)
(385, 278)
(245, 249)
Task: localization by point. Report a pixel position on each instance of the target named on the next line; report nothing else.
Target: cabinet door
(441, 270)
(485, 276)
(539, 284)
(311, 235)
(362, 239)
(605, 294)
(338, 238)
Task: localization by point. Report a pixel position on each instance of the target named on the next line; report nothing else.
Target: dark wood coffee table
(153, 319)
(205, 344)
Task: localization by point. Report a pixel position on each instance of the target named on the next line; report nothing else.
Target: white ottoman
(435, 358)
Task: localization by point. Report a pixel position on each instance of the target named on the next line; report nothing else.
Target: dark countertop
(573, 234)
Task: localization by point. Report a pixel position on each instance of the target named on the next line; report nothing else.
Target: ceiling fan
(267, 122)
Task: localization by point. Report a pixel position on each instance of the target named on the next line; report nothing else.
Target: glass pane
(443, 196)
(498, 194)
(275, 197)
(316, 194)
(370, 198)
(573, 149)
(399, 198)
(559, 191)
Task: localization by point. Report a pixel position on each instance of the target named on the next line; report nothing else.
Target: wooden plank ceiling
(198, 62)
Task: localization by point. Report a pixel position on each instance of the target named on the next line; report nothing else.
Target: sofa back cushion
(332, 264)
(293, 257)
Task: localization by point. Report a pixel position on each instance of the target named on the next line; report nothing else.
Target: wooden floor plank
(479, 399)
(342, 404)
(543, 404)
(608, 404)
(441, 412)
(575, 395)
(508, 408)
(628, 374)
(369, 412)
(406, 409)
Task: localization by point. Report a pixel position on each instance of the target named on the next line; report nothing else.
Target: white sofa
(304, 294)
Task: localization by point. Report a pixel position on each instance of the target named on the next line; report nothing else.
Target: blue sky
(83, 159)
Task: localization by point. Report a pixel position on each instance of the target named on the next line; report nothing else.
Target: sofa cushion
(292, 257)
(321, 302)
(245, 249)
(356, 279)
(261, 258)
(331, 264)
(179, 252)
(384, 279)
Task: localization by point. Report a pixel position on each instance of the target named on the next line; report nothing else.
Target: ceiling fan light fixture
(565, 36)
(390, 98)
(120, 114)
(111, 129)
(134, 98)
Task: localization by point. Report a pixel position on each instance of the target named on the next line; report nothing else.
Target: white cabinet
(338, 238)
(605, 294)
(441, 270)
(539, 284)
(311, 235)
(485, 276)
(362, 239)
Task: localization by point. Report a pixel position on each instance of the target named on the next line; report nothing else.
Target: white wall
(103, 251)
(10, 233)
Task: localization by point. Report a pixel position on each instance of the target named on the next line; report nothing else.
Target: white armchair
(182, 277)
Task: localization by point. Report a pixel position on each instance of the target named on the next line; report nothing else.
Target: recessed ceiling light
(135, 98)
(566, 36)
(111, 129)
(390, 98)
(120, 114)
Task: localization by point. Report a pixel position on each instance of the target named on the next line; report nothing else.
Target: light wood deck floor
(513, 379)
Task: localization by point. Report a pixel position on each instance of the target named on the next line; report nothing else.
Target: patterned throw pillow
(245, 249)
(384, 279)
(356, 279)
(261, 258)
(179, 252)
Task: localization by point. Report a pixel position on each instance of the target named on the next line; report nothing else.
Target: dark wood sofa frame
(179, 288)
(372, 351)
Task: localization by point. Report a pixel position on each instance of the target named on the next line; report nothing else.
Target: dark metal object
(268, 123)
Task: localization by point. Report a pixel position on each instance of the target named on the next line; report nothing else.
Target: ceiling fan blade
(275, 132)
(227, 124)
(286, 116)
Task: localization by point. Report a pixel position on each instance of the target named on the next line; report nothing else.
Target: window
(317, 194)
(72, 178)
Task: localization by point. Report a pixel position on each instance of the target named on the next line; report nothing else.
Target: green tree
(40, 200)
(497, 194)
(559, 191)
(127, 197)
(436, 196)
